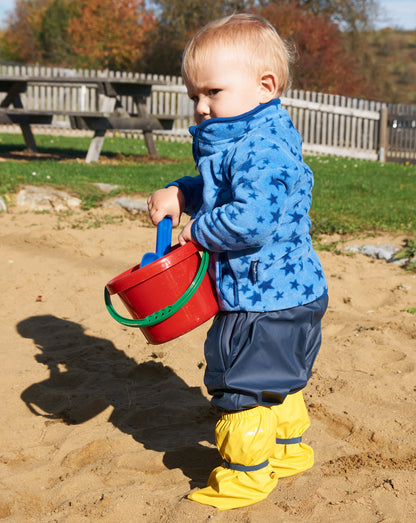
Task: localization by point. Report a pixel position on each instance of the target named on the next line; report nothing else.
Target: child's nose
(202, 107)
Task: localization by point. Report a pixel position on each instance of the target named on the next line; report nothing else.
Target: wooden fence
(329, 124)
(401, 133)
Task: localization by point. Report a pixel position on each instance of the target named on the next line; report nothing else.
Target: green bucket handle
(169, 310)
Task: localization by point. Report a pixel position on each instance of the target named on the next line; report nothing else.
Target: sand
(96, 424)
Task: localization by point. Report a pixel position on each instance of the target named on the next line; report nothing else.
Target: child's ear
(268, 87)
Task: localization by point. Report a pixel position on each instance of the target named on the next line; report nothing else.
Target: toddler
(249, 207)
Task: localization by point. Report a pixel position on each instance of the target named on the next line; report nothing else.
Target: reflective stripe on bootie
(290, 456)
(245, 441)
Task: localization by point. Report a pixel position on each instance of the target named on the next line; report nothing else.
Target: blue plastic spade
(163, 242)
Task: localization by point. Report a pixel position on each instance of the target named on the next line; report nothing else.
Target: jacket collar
(234, 126)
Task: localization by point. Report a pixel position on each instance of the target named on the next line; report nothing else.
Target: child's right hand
(166, 202)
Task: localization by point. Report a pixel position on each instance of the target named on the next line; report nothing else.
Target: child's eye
(195, 99)
(213, 92)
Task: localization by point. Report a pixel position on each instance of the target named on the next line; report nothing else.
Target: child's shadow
(149, 400)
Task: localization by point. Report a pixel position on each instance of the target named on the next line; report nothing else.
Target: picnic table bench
(110, 113)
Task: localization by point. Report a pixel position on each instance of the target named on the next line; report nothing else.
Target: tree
(54, 38)
(177, 21)
(322, 62)
(350, 15)
(110, 33)
(356, 20)
(85, 33)
(20, 39)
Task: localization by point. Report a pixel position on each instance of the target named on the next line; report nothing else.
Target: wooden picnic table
(109, 115)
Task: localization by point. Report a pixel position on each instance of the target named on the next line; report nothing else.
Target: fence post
(383, 132)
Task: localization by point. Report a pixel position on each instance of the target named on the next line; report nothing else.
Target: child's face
(223, 87)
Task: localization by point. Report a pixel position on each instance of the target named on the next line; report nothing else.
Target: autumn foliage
(19, 41)
(322, 62)
(81, 33)
(126, 35)
(110, 33)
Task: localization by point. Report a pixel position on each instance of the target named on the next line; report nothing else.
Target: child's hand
(186, 235)
(166, 202)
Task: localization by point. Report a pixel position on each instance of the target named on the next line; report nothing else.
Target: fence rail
(329, 124)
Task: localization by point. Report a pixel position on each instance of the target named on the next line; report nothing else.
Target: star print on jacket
(250, 203)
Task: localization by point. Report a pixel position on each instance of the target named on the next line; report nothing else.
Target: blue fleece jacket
(250, 204)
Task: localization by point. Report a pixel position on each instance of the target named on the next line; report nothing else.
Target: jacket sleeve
(262, 175)
(191, 187)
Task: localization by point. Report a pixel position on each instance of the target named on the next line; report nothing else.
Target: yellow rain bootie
(245, 441)
(290, 456)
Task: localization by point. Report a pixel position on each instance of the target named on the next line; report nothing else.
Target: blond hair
(255, 40)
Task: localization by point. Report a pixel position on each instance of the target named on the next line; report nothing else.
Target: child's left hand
(186, 235)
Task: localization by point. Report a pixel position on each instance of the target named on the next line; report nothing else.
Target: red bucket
(168, 297)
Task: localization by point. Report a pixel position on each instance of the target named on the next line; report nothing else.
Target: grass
(408, 254)
(123, 163)
(355, 196)
(350, 196)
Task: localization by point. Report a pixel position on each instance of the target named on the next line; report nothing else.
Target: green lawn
(349, 195)
(357, 195)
